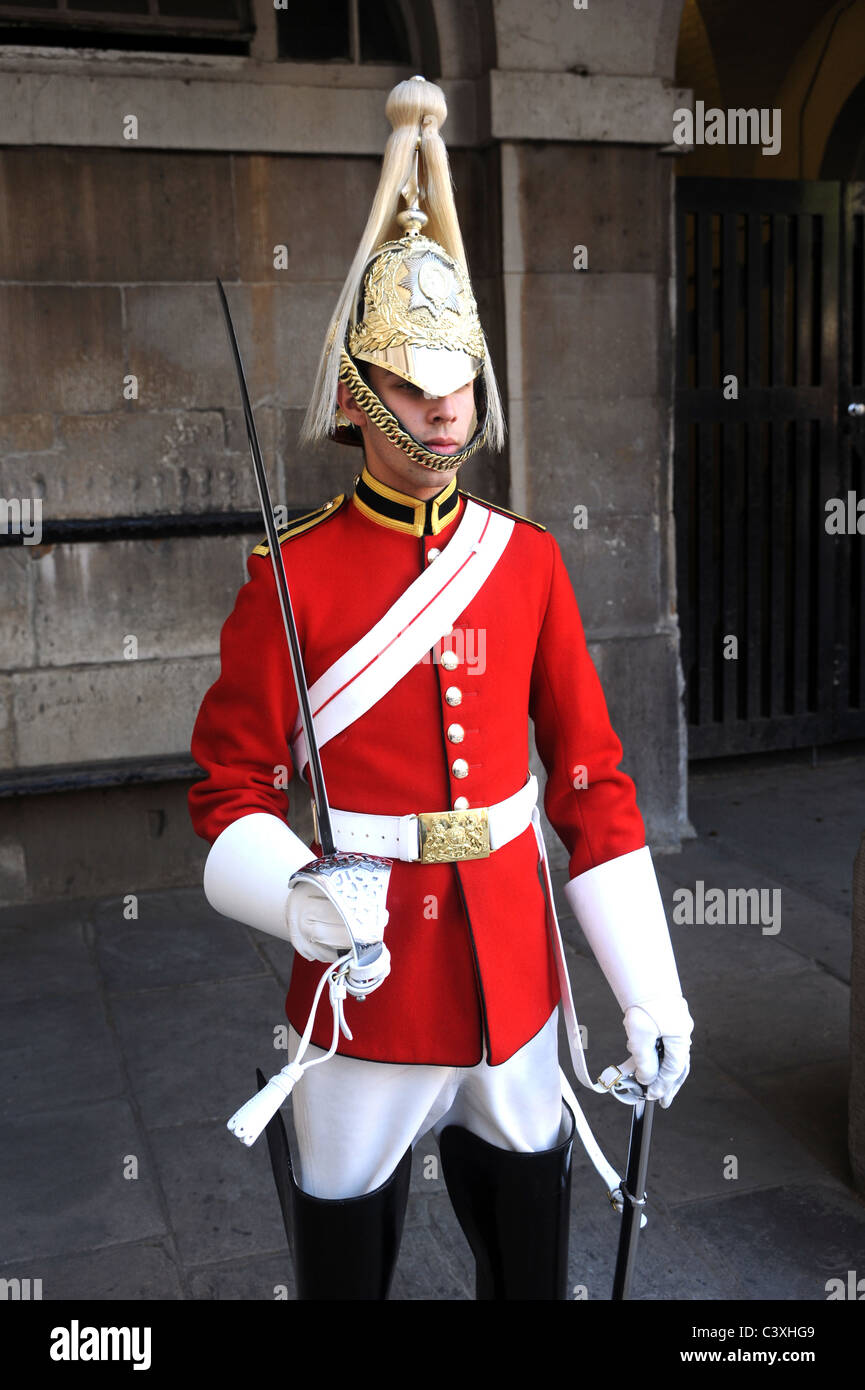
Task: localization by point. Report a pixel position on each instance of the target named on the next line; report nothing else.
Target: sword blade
(322, 808)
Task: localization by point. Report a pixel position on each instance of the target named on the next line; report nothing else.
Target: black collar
(402, 512)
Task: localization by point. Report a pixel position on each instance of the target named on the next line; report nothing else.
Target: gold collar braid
(393, 431)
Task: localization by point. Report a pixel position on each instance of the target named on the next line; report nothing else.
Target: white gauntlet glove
(253, 874)
(248, 868)
(619, 907)
(670, 1021)
(316, 929)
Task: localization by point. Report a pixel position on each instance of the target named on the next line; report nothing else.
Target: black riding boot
(514, 1209)
(343, 1249)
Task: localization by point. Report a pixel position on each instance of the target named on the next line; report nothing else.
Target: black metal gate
(771, 303)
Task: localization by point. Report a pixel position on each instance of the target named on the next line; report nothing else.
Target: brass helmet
(407, 304)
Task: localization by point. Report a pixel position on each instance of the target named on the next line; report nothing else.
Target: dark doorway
(770, 309)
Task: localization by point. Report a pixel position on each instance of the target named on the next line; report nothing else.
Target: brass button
(454, 695)
(456, 733)
(461, 803)
(460, 768)
(450, 660)
(432, 554)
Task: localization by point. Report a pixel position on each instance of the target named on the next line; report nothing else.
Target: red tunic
(472, 965)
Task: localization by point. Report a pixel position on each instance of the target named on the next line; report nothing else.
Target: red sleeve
(241, 735)
(600, 820)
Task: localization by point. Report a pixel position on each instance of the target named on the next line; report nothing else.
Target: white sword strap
(626, 1089)
(422, 614)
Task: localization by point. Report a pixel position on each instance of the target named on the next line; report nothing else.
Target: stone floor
(126, 1043)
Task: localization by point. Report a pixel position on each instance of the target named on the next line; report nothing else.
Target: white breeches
(354, 1120)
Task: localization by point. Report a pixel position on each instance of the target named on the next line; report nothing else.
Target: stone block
(639, 677)
(8, 749)
(614, 566)
(604, 454)
(118, 1273)
(314, 206)
(558, 38)
(582, 107)
(128, 215)
(68, 349)
(20, 564)
(722, 955)
(108, 840)
(25, 434)
(219, 1194)
(63, 1189)
(797, 822)
(58, 1051)
(40, 959)
(262, 1278)
(138, 462)
(785, 1242)
(592, 335)
(612, 199)
(748, 1035)
(811, 1102)
(191, 1052)
(170, 596)
(124, 710)
(179, 351)
(176, 939)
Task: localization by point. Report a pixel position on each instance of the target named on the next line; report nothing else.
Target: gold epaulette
(303, 523)
(494, 507)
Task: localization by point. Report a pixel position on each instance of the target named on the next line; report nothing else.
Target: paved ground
(126, 1044)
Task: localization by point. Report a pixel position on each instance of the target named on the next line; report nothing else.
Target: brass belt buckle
(447, 836)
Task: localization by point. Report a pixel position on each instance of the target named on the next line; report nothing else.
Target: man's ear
(349, 406)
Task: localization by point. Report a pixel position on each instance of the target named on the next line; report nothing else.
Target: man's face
(442, 423)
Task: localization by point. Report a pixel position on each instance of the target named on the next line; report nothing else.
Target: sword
(633, 1191)
(320, 802)
(358, 971)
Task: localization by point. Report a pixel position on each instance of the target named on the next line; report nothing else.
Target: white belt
(400, 837)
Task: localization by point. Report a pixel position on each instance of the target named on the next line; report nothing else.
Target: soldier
(425, 754)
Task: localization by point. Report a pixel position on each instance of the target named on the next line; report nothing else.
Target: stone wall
(590, 384)
(120, 285)
(108, 256)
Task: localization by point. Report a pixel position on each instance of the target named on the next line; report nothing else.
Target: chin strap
(396, 433)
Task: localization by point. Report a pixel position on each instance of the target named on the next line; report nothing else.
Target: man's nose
(443, 408)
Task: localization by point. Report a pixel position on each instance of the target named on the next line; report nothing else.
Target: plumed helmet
(407, 304)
